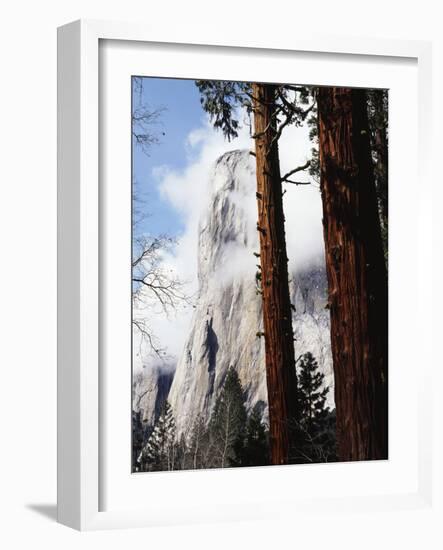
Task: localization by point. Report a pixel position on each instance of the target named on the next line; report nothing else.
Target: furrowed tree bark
(277, 317)
(357, 278)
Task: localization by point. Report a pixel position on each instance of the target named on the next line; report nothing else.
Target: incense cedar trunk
(356, 275)
(277, 316)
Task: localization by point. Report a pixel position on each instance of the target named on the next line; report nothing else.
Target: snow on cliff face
(228, 313)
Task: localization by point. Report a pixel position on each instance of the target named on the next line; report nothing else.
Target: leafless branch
(144, 119)
(155, 287)
(294, 171)
(147, 335)
(143, 122)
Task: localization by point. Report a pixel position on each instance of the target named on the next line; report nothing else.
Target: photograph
(229, 330)
(259, 274)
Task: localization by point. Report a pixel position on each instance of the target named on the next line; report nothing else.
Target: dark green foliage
(314, 167)
(232, 438)
(221, 100)
(312, 395)
(312, 123)
(159, 452)
(229, 439)
(325, 438)
(315, 429)
(255, 451)
(225, 101)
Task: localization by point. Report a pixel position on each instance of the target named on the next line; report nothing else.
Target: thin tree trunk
(356, 275)
(277, 318)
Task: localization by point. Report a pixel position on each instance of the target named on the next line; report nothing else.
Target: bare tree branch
(144, 119)
(155, 287)
(146, 333)
(295, 170)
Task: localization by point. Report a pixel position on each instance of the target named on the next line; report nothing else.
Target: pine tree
(316, 425)
(311, 391)
(255, 450)
(159, 451)
(227, 423)
(138, 434)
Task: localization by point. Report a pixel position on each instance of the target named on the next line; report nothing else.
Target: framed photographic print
(234, 249)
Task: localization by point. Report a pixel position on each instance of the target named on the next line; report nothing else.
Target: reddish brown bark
(356, 275)
(277, 318)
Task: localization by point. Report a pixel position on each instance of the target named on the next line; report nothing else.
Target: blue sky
(182, 113)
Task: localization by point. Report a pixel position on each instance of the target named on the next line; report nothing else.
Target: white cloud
(302, 204)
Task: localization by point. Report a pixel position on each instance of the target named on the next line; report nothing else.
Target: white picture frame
(79, 258)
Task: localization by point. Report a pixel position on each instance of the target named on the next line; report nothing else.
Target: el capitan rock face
(228, 313)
